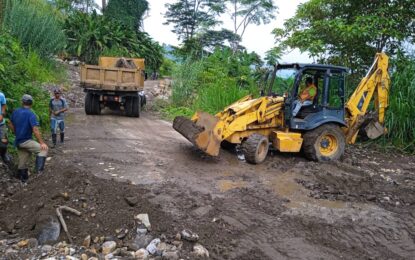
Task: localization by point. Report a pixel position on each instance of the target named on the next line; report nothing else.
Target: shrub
(36, 25)
(22, 73)
(401, 112)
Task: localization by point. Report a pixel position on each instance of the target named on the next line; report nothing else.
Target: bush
(401, 112)
(22, 73)
(93, 35)
(212, 83)
(36, 25)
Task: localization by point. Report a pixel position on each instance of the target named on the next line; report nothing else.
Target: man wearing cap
(24, 124)
(57, 109)
(3, 130)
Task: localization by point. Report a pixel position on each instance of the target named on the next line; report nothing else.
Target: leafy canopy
(349, 31)
(128, 12)
(190, 16)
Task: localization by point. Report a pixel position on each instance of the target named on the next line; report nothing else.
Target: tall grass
(400, 117)
(35, 24)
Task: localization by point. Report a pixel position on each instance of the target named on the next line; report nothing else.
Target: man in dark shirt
(23, 124)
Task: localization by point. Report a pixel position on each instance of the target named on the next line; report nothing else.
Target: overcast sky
(256, 38)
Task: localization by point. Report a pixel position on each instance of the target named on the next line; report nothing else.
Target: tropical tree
(128, 12)
(190, 16)
(349, 32)
(69, 6)
(247, 12)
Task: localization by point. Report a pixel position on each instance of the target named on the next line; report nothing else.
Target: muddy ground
(362, 207)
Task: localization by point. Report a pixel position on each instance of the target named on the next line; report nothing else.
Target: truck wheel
(136, 106)
(88, 104)
(128, 106)
(255, 148)
(96, 106)
(325, 143)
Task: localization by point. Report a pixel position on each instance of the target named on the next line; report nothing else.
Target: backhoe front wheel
(325, 143)
(255, 148)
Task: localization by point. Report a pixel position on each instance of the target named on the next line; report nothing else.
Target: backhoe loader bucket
(374, 130)
(199, 131)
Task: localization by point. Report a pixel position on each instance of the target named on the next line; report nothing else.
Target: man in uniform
(57, 109)
(306, 96)
(3, 131)
(24, 124)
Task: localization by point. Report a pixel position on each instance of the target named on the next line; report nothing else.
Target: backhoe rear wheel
(325, 143)
(255, 148)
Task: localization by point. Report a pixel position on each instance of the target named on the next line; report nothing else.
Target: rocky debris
(87, 241)
(131, 200)
(200, 251)
(188, 235)
(144, 219)
(108, 247)
(141, 254)
(141, 241)
(163, 90)
(48, 229)
(152, 247)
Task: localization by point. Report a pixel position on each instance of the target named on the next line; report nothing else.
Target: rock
(87, 242)
(172, 255)
(152, 247)
(46, 249)
(71, 251)
(32, 243)
(84, 257)
(68, 257)
(188, 235)
(141, 254)
(140, 241)
(131, 201)
(200, 251)
(92, 258)
(23, 243)
(48, 228)
(108, 247)
(143, 218)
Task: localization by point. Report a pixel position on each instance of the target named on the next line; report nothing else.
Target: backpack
(51, 105)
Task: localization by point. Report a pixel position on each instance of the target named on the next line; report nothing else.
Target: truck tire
(128, 106)
(88, 103)
(136, 106)
(96, 106)
(325, 143)
(255, 148)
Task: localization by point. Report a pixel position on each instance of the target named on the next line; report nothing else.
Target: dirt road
(363, 207)
(287, 208)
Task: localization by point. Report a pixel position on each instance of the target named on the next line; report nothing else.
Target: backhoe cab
(321, 129)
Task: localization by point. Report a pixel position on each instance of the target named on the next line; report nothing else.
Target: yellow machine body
(265, 117)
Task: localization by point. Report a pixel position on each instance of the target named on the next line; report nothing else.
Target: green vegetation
(212, 83)
(36, 25)
(91, 35)
(401, 113)
(22, 72)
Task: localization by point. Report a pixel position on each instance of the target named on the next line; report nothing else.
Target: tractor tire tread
(249, 148)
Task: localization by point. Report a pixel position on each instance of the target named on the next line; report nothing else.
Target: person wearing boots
(57, 109)
(3, 131)
(24, 124)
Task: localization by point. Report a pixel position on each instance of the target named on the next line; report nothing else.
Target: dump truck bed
(108, 76)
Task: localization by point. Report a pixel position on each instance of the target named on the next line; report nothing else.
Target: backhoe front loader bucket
(199, 131)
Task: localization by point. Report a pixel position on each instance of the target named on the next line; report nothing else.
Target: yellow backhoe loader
(321, 129)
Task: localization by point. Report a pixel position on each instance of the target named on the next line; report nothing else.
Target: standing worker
(24, 123)
(57, 109)
(3, 130)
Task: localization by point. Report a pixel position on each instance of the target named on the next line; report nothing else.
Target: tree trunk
(104, 4)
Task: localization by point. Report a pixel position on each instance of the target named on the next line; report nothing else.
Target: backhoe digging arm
(374, 85)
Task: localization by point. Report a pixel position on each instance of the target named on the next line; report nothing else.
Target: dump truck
(116, 83)
(320, 130)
